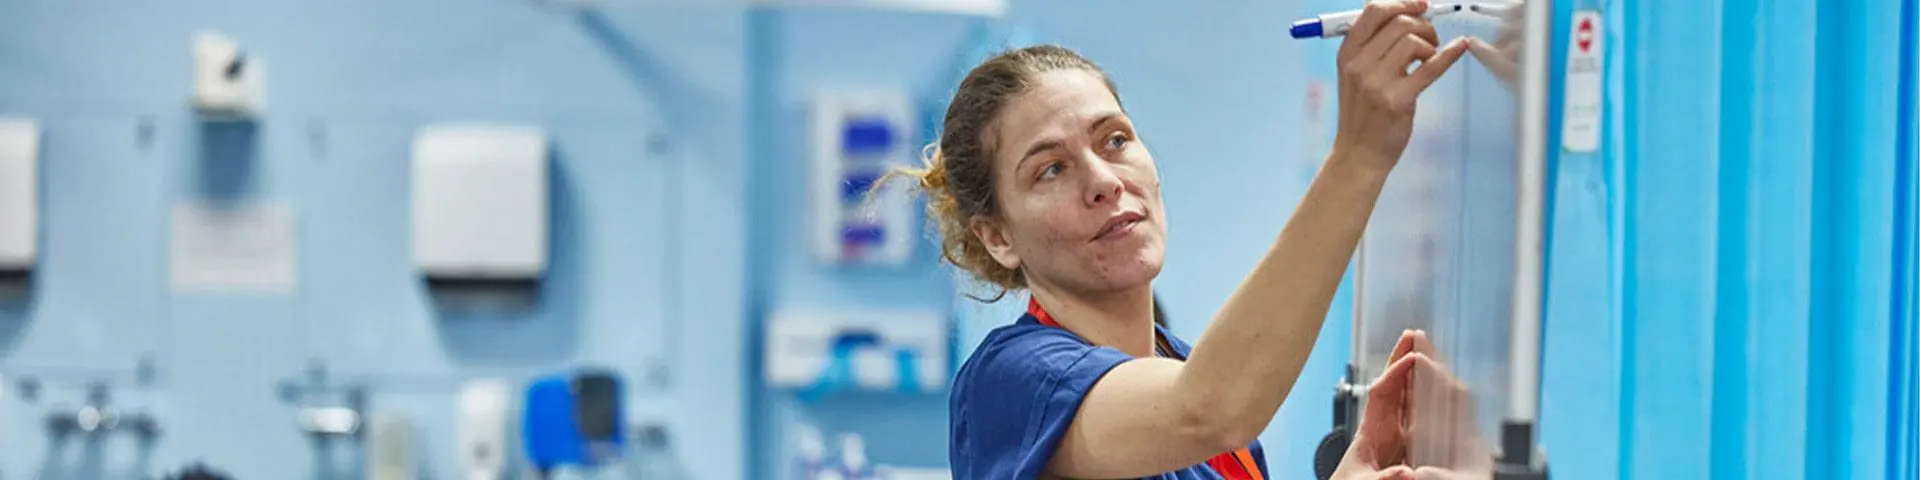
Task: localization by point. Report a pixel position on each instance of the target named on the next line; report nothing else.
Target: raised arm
(1149, 416)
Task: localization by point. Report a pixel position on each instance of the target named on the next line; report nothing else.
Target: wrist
(1360, 160)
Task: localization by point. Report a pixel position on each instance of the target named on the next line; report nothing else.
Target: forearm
(1248, 359)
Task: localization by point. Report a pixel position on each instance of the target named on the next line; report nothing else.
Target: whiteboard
(1440, 252)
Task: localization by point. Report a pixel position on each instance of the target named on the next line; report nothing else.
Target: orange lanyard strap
(1243, 457)
(1246, 462)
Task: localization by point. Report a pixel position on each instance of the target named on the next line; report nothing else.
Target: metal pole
(1518, 434)
(1530, 228)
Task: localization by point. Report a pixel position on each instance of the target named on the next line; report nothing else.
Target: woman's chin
(1132, 272)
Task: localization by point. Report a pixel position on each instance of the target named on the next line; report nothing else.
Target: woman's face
(1079, 195)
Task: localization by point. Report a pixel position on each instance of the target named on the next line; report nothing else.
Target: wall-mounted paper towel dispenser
(480, 203)
(19, 196)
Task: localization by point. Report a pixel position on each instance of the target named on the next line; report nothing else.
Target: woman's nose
(1103, 185)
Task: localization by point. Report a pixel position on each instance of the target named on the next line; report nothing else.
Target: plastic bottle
(853, 457)
(812, 453)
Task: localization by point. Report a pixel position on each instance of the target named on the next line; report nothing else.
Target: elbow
(1220, 429)
(1235, 437)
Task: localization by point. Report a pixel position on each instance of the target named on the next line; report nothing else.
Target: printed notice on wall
(244, 248)
(1580, 131)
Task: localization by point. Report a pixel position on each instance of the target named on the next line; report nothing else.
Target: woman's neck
(1122, 320)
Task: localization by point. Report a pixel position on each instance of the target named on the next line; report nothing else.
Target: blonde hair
(957, 177)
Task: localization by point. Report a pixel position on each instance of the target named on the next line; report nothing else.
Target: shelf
(977, 8)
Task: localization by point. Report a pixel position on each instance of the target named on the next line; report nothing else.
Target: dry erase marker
(1336, 24)
(1504, 11)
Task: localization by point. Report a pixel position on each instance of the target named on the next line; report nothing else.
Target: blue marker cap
(1308, 28)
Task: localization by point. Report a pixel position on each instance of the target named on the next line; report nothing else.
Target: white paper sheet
(234, 248)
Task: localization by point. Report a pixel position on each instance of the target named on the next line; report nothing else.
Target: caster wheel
(1326, 458)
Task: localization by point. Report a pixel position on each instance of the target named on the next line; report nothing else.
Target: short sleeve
(1015, 397)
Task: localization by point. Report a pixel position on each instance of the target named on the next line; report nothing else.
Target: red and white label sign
(1580, 125)
(1583, 35)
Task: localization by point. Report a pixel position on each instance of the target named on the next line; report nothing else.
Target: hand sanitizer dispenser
(480, 204)
(19, 196)
(390, 454)
(484, 414)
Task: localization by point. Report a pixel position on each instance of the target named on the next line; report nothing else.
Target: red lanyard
(1033, 308)
(1234, 465)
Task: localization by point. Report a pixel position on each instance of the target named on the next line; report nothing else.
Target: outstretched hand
(1417, 423)
(1377, 93)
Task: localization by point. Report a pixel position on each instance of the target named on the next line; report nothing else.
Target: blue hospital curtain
(1903, 419)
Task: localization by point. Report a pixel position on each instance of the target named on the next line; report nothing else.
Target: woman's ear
(996, 239)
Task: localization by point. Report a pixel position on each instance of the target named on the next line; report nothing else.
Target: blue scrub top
(1014, 398)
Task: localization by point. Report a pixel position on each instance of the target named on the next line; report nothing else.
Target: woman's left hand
(1380, 445)
(1397, 428)
(1442, 430)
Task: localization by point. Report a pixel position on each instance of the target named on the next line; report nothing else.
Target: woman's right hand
(1377, 94)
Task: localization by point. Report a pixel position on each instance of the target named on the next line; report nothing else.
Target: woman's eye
(1052, 169)
(1117, 140)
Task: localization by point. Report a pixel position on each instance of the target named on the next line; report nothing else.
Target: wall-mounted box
(228, 82)
(19, 195)
(480, 203)
(857, 136)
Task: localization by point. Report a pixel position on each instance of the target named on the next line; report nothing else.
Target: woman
(1040, 182)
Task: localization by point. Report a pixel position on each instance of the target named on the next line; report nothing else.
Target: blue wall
(645, 110)
(1720, 289)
